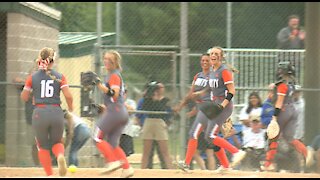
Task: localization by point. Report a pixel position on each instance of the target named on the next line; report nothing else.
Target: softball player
(222, 91)
(48, 117)
(200, 82)
(114, 119)
(285, 114)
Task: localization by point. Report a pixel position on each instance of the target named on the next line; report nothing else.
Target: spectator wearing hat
(254, 142)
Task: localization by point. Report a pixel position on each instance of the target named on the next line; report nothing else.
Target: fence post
(312, 64)
(184, 61)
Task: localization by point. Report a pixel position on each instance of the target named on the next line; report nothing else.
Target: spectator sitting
(131, 129)
(253, 108)
(254, 141)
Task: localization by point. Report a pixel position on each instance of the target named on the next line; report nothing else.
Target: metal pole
(176, 100)
(99, 30)
(174, 78)
(159, 47)
(97, 66)
(229, 23)
(97, 63)
(312, 66)
(118, 22)
(183, 71)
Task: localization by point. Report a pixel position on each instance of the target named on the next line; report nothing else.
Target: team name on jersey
(201, 82)
(214, 83)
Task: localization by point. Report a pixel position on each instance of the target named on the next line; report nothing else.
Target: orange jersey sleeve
(227, 77)
(28, 83)
(64, 82)
(282, 89)
(114, 81)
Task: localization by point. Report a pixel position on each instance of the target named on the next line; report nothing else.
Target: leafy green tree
(254, 25)
(82, 16)
(151, 23)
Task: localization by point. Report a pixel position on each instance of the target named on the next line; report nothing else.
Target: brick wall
(25, 37)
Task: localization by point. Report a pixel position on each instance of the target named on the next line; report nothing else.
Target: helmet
(150, 88)
(285, 68)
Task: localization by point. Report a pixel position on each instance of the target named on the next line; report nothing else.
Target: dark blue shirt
(267, 112)
(141, 117)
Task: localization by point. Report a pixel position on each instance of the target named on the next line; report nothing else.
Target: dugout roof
(36, 10)
(75, 44)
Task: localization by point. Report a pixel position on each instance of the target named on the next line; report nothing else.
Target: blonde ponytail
(46, 56)
(230, 67)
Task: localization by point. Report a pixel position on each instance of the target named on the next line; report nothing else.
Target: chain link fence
(207, 23)
(147, 35)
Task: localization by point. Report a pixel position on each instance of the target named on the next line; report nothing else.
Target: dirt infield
(151, 173)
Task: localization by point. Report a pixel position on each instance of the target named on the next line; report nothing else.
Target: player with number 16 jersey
(48, 117)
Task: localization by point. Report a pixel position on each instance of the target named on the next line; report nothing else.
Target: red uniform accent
(223, 159)
(63, 81)
(221, 142)
(28, 83)
(271, 153)
(106, 149)
(282, 88)
(227, 76)
(121, 156)
(114, 80)
(58, 149)
(45, 160)
(300, 147)
(192, 148)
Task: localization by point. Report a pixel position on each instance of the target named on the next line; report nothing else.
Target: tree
(82, 16)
